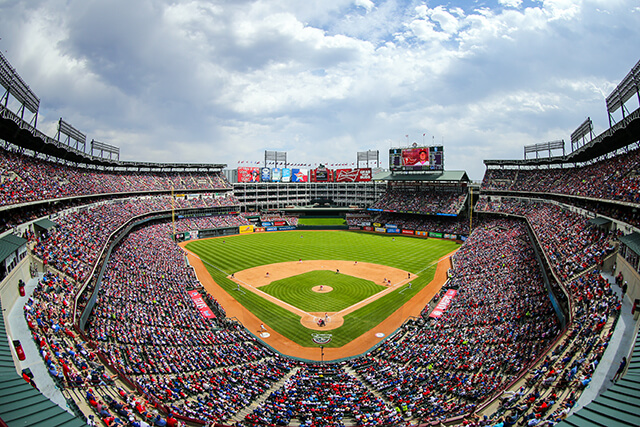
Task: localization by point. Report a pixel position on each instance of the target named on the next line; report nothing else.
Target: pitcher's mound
(322, 289)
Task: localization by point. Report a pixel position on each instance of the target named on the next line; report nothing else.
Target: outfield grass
(230, 254)
(322, 221)
(297, 290)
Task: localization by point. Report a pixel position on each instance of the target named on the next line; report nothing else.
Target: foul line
(255, 290)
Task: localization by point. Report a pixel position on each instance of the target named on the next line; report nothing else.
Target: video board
(416, 158)
(248, 174)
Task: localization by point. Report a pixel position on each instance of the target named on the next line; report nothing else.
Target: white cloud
(366, 4)
(219, 82)
(511, 3)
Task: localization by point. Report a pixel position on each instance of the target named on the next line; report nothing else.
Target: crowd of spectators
(499, 322)
(74, 244)
(146, 328)
(617, 178)
(423, 199)
(569, 240)
(25, 178)
(452, 225)
(324, 395)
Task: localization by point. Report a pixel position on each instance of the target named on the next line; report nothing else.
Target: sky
(223, 81)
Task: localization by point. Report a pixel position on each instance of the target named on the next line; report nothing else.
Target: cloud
(368, 5)
(191, 80)
(511, 3)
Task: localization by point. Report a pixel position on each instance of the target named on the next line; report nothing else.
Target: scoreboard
(416, 158)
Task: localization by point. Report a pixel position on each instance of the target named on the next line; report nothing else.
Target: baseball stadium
(166, 294)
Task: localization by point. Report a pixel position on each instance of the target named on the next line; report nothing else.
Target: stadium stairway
(619, 405)
(239, 417)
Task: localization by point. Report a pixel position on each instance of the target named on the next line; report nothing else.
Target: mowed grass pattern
(297, 291)
(226, 255)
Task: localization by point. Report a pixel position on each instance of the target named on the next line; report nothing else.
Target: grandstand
(544, 285)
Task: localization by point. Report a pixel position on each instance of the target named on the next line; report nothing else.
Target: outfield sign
(243, 229)
(443, 304)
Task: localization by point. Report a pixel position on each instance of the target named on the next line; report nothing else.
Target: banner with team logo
(443, 304)
(286, 175)
(276, 174)
(265, 175)
(299, 175)
(202, 306)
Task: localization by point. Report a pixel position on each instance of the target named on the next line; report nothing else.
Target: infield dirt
(251, 280)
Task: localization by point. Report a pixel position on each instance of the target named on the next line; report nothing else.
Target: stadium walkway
(20, 331)
(619, 346)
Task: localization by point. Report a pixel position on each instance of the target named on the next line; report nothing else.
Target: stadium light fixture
(102, 147)
(65, 128)
(15, 86)
(544, 146)
(628, 87)
(578, 136)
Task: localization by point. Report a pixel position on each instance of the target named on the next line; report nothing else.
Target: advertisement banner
(286, 227)
(259, 230)
(286, 175)
(267, 223)
(299, 175)
(354, 227)
(202, 306)
(364, 175)
(321, 175)
(276, 175)
(279, 223)
(346, 175)
(450, 236)
(389, 225)
(422, 233)
(377, 224)
(434, 234)
(443, 304)
(410, 232)
(271, 229)
(247, 174)
(367, 223)
(245, 229)
(393, 230)
(265, 175)
(367, 228)
(381, 230)
(353, 175)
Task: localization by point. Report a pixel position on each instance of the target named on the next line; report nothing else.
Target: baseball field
(311, 287)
